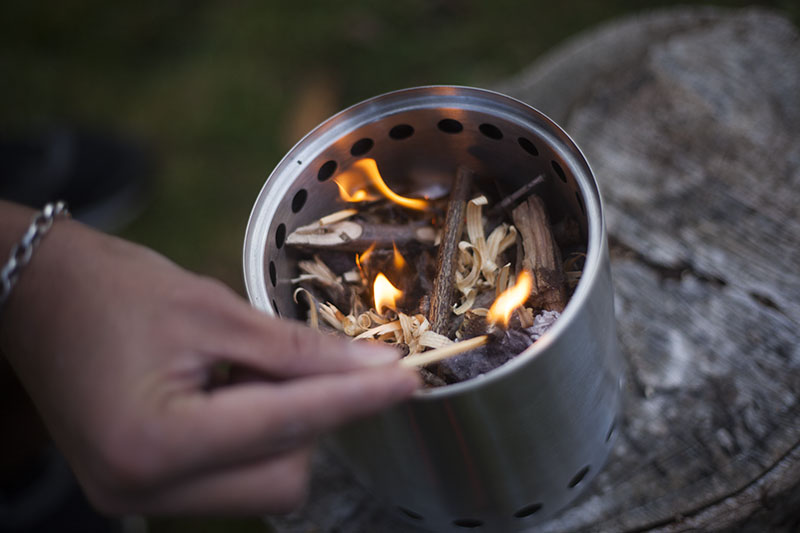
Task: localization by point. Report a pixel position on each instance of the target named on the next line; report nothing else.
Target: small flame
(359, 195)
(363, 257)
(510, 299)
(399, 260)
(385, 293)
(366, 171)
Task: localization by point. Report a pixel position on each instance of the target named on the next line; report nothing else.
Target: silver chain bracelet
(22, 252)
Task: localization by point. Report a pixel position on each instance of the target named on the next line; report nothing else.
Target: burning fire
(353, 181)
(510, 299)
(385, 294)
(359, 195)
(362, 258)
(399, 260)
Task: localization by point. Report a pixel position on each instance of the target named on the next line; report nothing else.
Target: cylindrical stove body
(507, 449)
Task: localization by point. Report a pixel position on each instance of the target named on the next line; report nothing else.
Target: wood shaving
(316, 270)
(331, 314)
(467, 303)
(431, 339)
(381, 330)
(338, 216)
(350, 326)
(353, 277)
(376, 318)
(477, 269)
(504, 280)
(364, 321)
(412, 330)
(313, 315)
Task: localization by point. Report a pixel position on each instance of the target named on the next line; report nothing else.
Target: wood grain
(443, 295)
(541, 255)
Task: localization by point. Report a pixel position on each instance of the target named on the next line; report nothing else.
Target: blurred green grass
(218, 89)
(213, 86)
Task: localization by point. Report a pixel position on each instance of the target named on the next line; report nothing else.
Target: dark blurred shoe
(104, 178)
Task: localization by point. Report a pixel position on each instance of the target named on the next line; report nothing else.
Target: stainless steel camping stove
(503, 451)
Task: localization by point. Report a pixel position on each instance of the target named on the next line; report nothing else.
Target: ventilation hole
(468, 522)
(401, 131)
(491, 131)
(580, 202)
(361, 146)
(449, 125)
(326, 170)
(273, 274)
(280, 235)
(528, 510)
(299, 200)
(611, 430)
(577, 478)
(408, 512)
(275, 307)
(528, 146)
(559, 171)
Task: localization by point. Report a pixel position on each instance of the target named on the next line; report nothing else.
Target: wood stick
(442, 297)
(432, 356)
(542, 256)
(337, 216)
(356, 236)
(519, 194)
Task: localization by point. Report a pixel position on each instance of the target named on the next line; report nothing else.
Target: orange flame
(510, 299)
(385, 293)
(363, 257)
(399, 260)
(358, 195)
(366, 171)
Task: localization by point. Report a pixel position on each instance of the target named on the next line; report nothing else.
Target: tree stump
(691, 121)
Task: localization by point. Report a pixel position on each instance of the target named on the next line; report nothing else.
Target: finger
(276, 485)
(284, 348)
(251, 421)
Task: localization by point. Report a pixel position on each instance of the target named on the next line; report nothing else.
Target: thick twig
(443, 285)
(356, 236)
(542, 256)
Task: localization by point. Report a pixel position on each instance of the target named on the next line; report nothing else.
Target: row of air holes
(525, 512)
(399, 132)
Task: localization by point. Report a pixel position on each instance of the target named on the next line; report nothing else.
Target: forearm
(39, 292)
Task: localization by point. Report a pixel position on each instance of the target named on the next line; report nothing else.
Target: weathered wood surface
(691, 121)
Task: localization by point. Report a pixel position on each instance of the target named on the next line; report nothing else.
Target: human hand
(116, 345)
